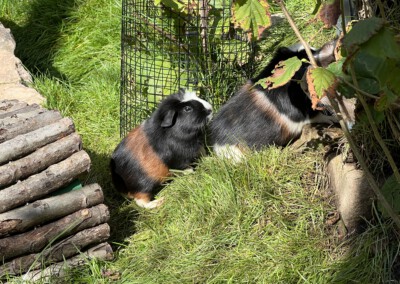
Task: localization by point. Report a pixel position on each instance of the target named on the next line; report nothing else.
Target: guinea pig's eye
(187, 109)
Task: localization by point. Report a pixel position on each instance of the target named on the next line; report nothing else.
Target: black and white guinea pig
(172, 138)
(255, 117)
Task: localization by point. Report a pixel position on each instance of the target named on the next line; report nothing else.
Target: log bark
(18, 118)
(6, 104)
(52, 208)
(102, 251)
(40, 159)
(36, 240)
(24, 125)
(27, 143)
(45, 182)
(64, 249)
(24, 109)
(11, 105)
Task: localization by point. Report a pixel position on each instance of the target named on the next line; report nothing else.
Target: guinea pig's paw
(151, 204)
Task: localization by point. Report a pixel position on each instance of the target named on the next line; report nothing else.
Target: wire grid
(165, 48)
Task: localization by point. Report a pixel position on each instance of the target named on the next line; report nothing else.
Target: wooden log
(27, 143)
(24, 125)
(13, 112)
(40, 159)
(59, 251)
(36, 240)
(11, 105)
(45, 182)
(18, 118)
(52, 208)
(102, 251)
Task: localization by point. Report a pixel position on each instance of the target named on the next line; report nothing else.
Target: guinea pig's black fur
(255, 117)
(172, 138)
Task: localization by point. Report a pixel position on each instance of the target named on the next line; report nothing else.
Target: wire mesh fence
(167, 45)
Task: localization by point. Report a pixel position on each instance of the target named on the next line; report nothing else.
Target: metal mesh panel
(193, 46)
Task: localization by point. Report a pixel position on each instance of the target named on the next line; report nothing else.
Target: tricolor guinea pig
(256, 117)
(171, 138)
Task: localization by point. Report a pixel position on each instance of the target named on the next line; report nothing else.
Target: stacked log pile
(43, 227)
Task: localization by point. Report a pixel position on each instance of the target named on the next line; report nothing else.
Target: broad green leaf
(336, 68)
(173, 4)
(283, 73)
(382, 44)
(361, 32)
(322, 81)
(391, 192)
(368, 85)
(385, 100)
(252, 16)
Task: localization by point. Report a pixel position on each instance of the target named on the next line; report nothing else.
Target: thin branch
(297, 32)
(375, 128)
(363, 164)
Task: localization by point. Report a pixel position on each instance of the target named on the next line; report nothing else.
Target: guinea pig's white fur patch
(290, 127)
(231, 152)
(191, 96)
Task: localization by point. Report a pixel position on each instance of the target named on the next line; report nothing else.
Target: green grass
(261, 221)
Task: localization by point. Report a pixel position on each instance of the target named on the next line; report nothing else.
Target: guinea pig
(171, 138)
(256, 117)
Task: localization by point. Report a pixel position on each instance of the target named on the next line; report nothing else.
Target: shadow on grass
(37, 39)
(122, 215)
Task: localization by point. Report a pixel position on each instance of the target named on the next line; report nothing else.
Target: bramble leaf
(322, 79)
(361, 32)
(252, 16)
(283, 73)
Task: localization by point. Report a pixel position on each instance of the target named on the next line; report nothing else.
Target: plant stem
(381, 9)
(363, 164)
(375, 128)
(343, 17)
(297, 32)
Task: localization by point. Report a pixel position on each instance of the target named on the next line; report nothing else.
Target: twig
(362, 92)
(297, 32)
(363, 164)
(375, 129)
(381, 9)
(343, 17)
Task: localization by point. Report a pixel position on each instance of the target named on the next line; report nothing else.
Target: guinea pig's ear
(168, 119)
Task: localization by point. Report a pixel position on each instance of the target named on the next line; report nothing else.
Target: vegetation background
(262, 221)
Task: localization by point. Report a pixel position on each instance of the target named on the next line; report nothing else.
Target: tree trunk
(45, 210)
(102, 251)
(27, 143)
(59, 251)
(35, 240)
(13, 127)
(45, 182)
(40, 159)
(18, 118)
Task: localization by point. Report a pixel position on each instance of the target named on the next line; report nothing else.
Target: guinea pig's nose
(208, 111)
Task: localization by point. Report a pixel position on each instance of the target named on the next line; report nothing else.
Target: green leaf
(369, 85)
(385, 100)
(252, 16)
(173, 4)
(322, 80)
(361, 32)
(383, 44)
(283, 73)
(336, 68)
(391, 192)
